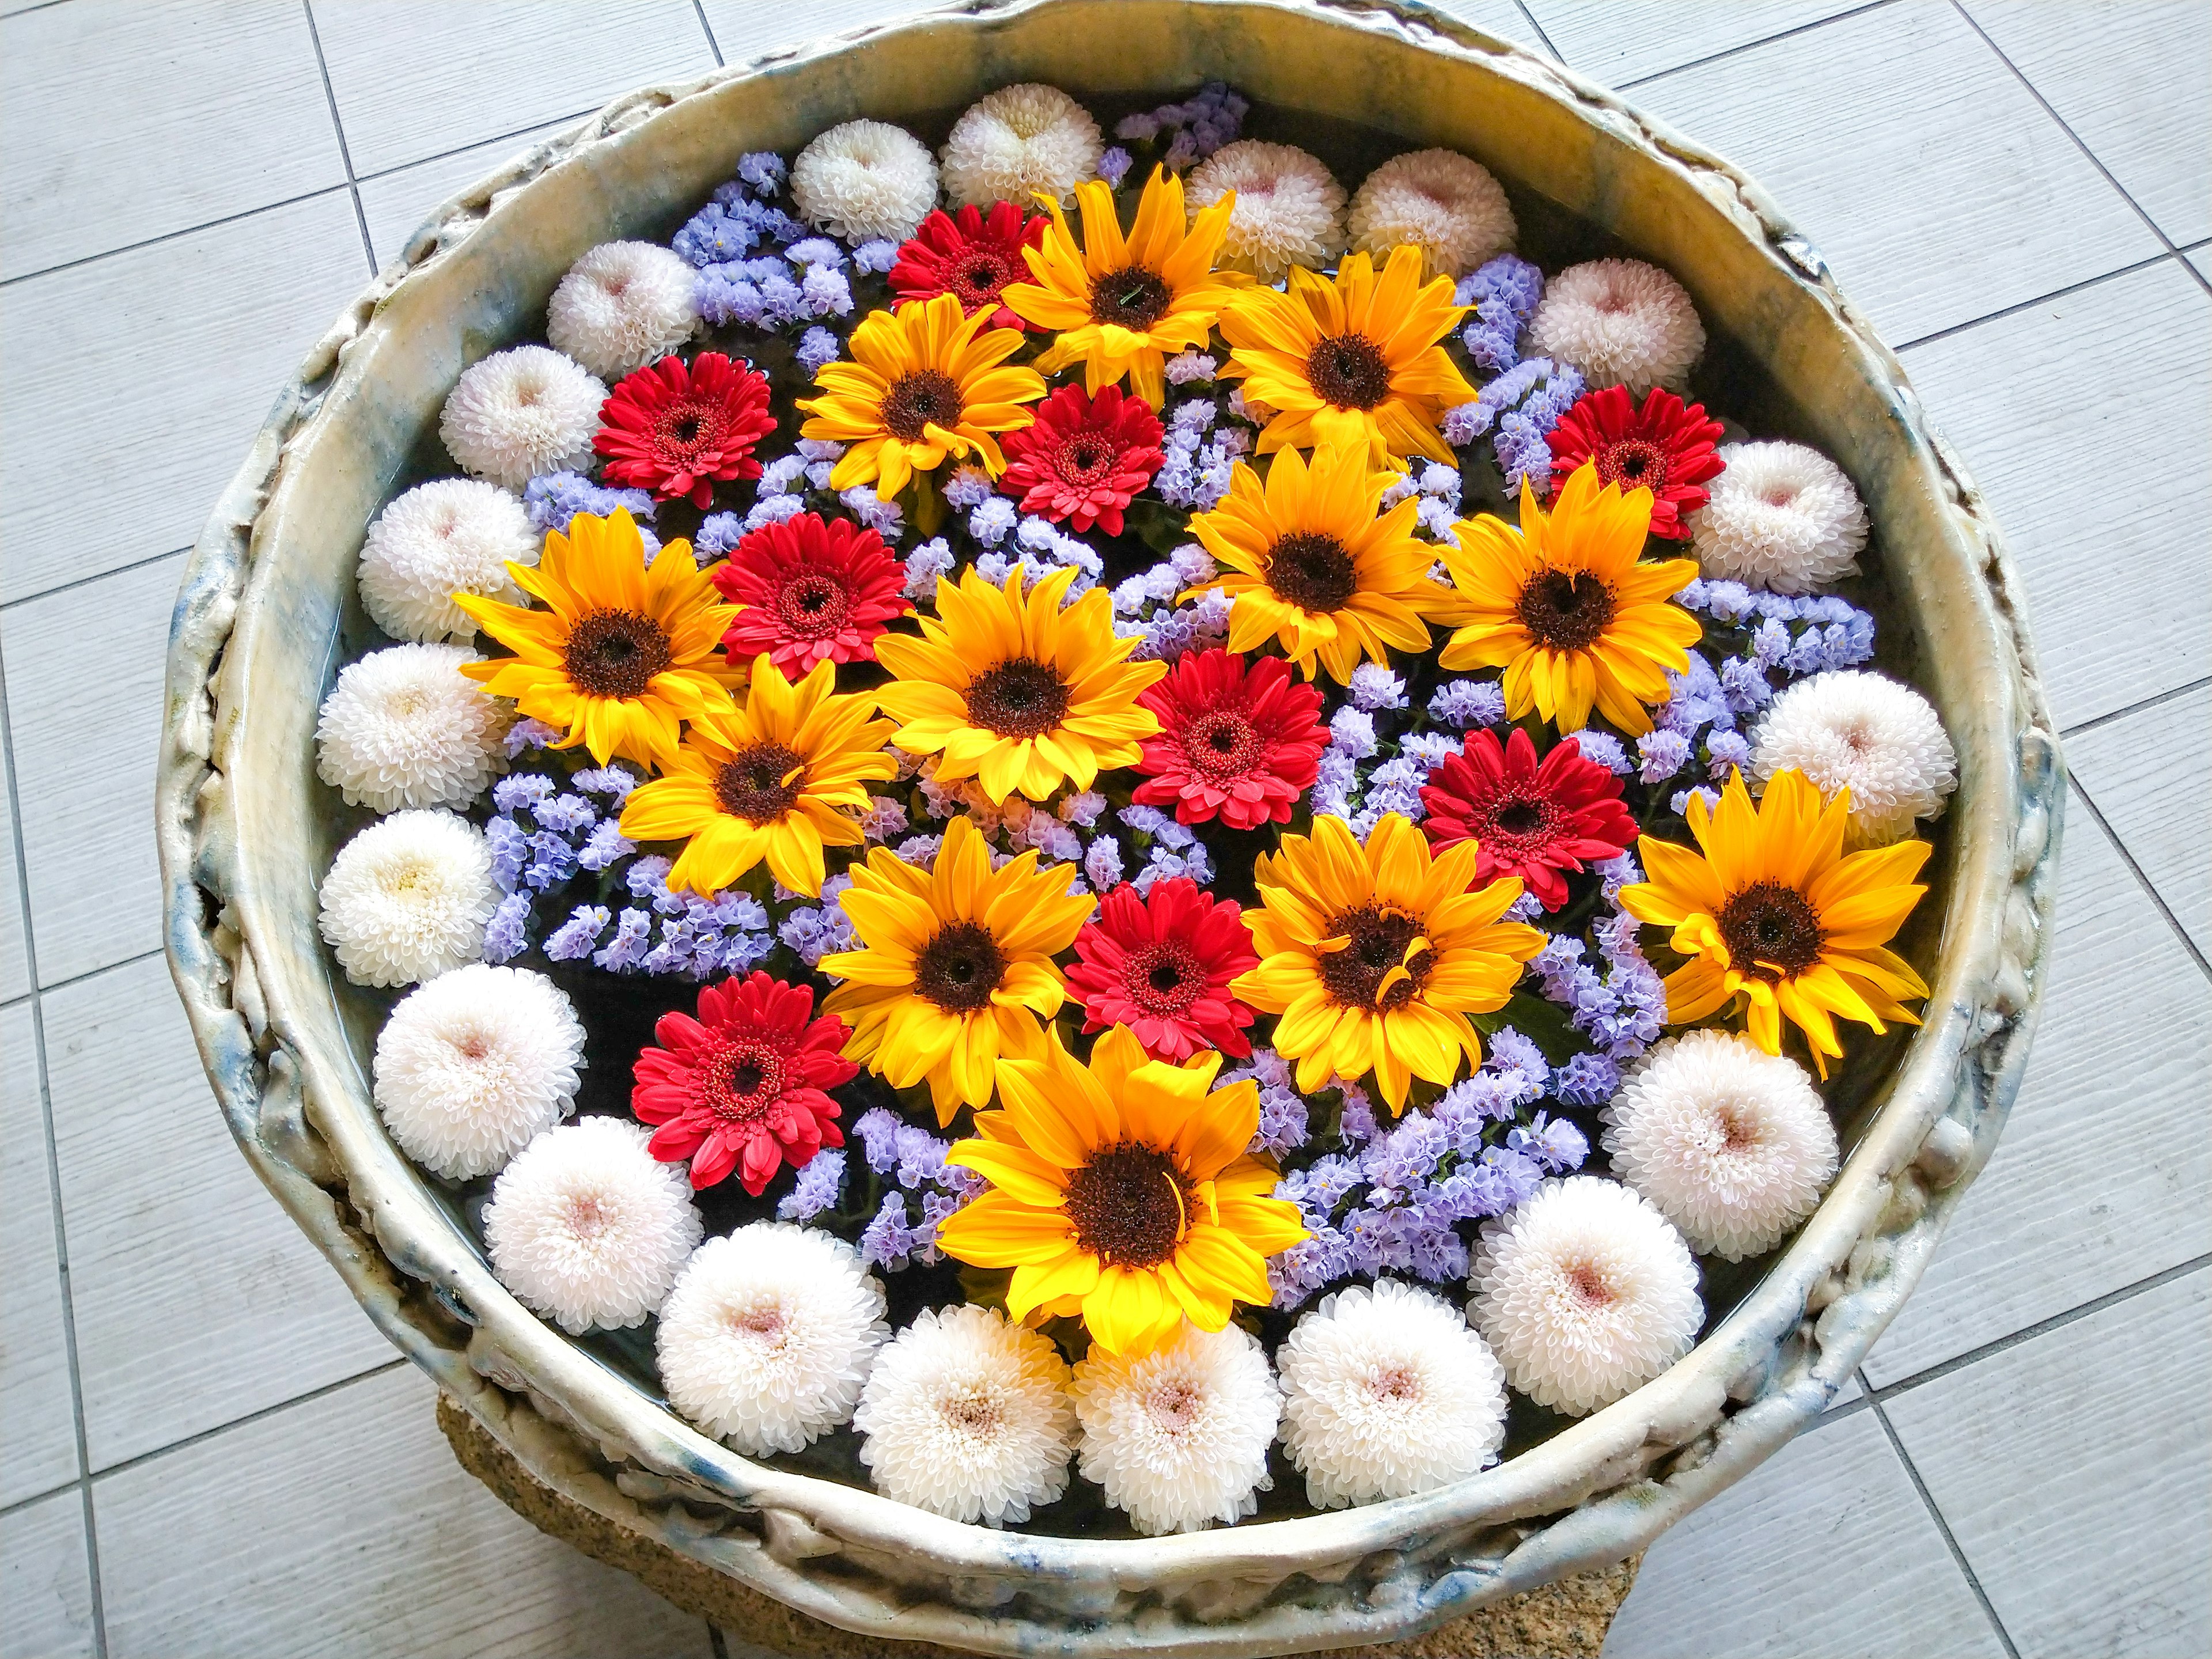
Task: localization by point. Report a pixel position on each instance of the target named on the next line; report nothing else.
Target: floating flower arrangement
(1112, 826)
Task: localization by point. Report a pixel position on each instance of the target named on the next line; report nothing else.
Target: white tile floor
(2015, 189)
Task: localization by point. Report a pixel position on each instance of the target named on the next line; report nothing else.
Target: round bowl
(245, 834)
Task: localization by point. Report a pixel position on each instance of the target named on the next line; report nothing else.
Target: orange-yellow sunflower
(1350, 359)
(1121, 1194)
(1375, 956)
(623, 655)
(1562, 605)
(925, 382)
(1011, 690)
(1776, 918)
(769, 781)
(955, 965)
(1313, 562)
(1123, 305)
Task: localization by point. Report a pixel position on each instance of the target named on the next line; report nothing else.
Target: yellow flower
(1310, 563)
(1777, 918)
(1352, 358)
(1121, 1193)
(1375, 957)
(1562, 605)
(624, 655)
(767, 780)
(1121, 308)
(956, 965)
(924, 383)
(1010, 689)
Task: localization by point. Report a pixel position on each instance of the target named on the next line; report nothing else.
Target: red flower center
(689, 429)
(1086, 458)
(1518, 826)
(1165, 978)
(976, 277)
(812, 604)
(739, 1080)
(1221, 744)
(1632, 464)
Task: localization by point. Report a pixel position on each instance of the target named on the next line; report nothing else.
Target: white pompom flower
(1880, 739)
(865, 179)
(1289, 206)
(623, 306)
(1179, 1438)
(472, 1066)
(450, 536)
(1019, 142)
(1584, 1291)
(403, 728)
(1444, 203)
(1730, 1142)
(1620, 321)
(588, 1227)
(521, 412)
(1387, 1393)
(407, 898)
(768, 1334)
(1782, 517)
(966, 1415)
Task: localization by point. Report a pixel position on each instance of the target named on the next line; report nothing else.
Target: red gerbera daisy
(1237, 743)
(809, 589)
(1085, 456)
(1530, 821)
(678, 431)
(1663, 448)
(741, 1087)
(1161, 965)
(971, 256)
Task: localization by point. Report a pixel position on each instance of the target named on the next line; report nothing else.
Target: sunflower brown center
(1348, 370)
(1130, 1206)
(1565, 609)
(1376, 941)
(1164, 978)
(959, 968)
(1221, 744)
(687, 428)
(1772, 931)
(1021, 697)
(761, 783)
(976, 277)
(616, 653)
(1134, 298)
(919, 399)
(812, 606)
(1632, 464)
(1313, 572)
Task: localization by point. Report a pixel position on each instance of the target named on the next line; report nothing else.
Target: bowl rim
(849, 1556)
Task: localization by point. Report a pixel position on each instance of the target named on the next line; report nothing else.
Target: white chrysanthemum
(1288, 206)
(1018, 142)
(1620, 321)
(1443, 203)
(1782, 517)
(865, 179)
(452, 536)
(967, 1416)
(1387, 1393)
(1880, 739)
(403, 728)
(589, 1228)
(475, 1064)
(623, 306)
(408, 897)
(1584, 1291)
(769, 1336)
(521, 412)
(1179, 1438)
(1730, 1142)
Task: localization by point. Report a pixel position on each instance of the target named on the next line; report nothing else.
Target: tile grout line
(2039, 300)
(345, 155)
(1542, 39)
(54, 1184)
(167, 236)
(715, 1644)
(558, 121)
(94, 973)
(1747, 46)
(2151, 702)
(202, 1435)
(2128, 858)
(713, 46)
(100, 576)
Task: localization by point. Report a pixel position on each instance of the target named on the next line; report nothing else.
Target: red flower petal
(676, 431)
(1161, 964)
(1536, 822)
(1664, 446)
(1237, 743)
(808, 590)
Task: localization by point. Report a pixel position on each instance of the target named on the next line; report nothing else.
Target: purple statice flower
(606, 845)
(1102, 863)
(633, 939)
(1190, 367)
(815, 251)
(579, 934)
(723, 299)
(928, 562)
(1113, 166)
(1374, 686)
(1678, 803)
(823, 292)
(770, 509)
(876, 256)
(1555, 1143)
(507, 934)
(1465, 704)
(1725, 752)
(553, 498)
(528, 734)
(761, 170)
(1604, 749)
(967, 488)
(714, 236)
(1352, 731)
(890, 1242)
(1588, 1079)
(1664, 754)
(1355, 1124)
(820, 1183)
(817, 348)
(994, 521)
(876, 1129)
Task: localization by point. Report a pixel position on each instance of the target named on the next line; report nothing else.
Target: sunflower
(1776, 917)
(1562, 605)
(1311, 563)
(625, 655)
(925, 382)
(1123, 307)
(1352, 358)
(956, 965)
(766, 782)
(1375, 956)
(1010, 689)
(1121, 1193)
